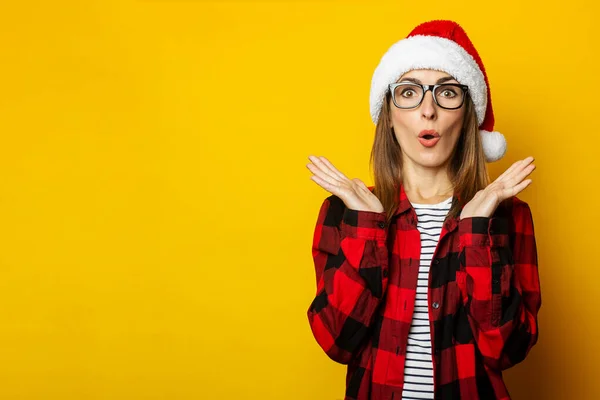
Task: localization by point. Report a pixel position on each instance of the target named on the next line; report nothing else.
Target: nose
(428, 106)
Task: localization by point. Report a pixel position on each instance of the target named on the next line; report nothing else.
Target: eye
(407, 93)
(448, 91)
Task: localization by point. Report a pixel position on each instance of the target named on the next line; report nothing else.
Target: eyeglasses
(446, 95)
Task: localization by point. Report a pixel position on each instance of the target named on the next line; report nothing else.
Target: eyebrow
(441, 80)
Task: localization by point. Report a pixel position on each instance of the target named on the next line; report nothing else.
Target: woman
(427, 283)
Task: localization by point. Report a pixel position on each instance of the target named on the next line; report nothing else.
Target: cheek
(458, 120)
(453, 132)
(454, 139)
(402, 133)
(403, 125)
(402, 117)
(454, 126)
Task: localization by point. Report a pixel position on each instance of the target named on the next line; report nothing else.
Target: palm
(509, 184)
(353, 192)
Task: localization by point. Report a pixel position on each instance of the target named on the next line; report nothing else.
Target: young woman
(427, 282)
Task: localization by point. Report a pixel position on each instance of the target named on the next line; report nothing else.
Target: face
(409, 123)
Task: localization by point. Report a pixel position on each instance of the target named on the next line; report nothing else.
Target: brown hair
(468, 171)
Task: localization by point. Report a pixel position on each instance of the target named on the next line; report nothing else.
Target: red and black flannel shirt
(484, 297)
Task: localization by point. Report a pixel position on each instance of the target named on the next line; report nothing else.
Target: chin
(432, 159)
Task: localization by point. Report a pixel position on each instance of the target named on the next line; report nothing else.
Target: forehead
(426, 75)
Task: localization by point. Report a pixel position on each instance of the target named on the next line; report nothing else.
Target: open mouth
(429, 140)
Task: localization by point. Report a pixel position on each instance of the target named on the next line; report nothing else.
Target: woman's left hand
(511, 182)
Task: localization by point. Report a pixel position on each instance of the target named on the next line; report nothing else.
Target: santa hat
(444, 46)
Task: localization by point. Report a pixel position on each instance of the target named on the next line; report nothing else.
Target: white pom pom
(494, 145)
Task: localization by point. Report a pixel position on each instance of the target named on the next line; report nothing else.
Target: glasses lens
(449, 96)
(407, 95)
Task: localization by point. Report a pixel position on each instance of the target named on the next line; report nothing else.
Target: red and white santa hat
(444, 46)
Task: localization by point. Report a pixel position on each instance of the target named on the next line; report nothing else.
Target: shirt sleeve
(351, 266)
(500, 284)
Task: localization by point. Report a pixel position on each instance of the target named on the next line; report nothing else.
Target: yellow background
(156, 210)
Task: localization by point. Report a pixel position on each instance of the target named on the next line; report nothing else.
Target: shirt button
(491, 231)
(381, 224)
(436, 305)
(385, 273)
(436, 261)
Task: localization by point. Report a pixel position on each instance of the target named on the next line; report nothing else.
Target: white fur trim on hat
(494, 145)
(428, 52)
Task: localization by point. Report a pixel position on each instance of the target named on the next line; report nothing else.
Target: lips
(429, 134)
(429, 138)
(429, 142)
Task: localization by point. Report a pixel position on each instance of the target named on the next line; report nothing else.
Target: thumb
(360, 183)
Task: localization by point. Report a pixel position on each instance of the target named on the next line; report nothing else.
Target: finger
(323, 167)
(514, 169)
(325, 185)
(516, 165)
(361, 184)
(332, 168)
(364, 191)
(509, 170)
(524, 164)
(519, 176)
(324, 176)
(513, 191)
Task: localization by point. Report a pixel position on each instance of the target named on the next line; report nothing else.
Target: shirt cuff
(364, 224)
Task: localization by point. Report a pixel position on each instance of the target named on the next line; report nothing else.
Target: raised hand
(353, 192)
(509, 184)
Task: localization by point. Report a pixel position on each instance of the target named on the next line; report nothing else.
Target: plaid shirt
(484, 297)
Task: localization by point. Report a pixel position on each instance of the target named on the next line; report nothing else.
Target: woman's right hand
(353, 192)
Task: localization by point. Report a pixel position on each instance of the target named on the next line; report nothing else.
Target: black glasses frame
(392, 87)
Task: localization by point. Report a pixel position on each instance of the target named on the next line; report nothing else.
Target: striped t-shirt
(418, 368)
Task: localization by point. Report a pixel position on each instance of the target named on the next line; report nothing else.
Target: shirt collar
(404, 205)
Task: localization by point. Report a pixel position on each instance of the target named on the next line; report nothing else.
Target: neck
(426, 184)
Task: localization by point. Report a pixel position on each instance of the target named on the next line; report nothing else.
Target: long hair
(467, 169)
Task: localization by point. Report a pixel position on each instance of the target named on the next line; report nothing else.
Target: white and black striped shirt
(418, 369)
